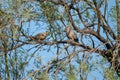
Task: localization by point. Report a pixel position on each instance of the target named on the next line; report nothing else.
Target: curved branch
(92, 32)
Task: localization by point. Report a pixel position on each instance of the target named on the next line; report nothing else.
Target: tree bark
(117, 57)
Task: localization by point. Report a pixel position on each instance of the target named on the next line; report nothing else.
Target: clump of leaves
(109, 74)
(50, 11)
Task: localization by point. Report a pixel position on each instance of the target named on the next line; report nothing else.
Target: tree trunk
(117, 55)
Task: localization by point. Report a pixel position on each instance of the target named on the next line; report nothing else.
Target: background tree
(96, 24)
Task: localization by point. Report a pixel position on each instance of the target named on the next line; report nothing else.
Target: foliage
(57, 57)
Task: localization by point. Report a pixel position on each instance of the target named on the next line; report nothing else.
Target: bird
(40, 36)
(71, 34)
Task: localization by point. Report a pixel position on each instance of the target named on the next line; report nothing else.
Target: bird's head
(67, 28)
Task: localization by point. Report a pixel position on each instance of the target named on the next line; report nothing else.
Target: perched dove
(71, 34)
(40, 36)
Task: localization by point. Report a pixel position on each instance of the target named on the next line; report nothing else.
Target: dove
(40, 36)
(71, 34)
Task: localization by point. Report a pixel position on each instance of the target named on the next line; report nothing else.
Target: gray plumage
(71, 34)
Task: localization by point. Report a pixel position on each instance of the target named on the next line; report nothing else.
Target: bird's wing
(72, 35)
(40, 36)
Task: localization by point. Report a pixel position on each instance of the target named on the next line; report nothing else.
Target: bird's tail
(76, 40)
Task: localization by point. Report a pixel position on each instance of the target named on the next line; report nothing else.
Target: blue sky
(47, 56)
